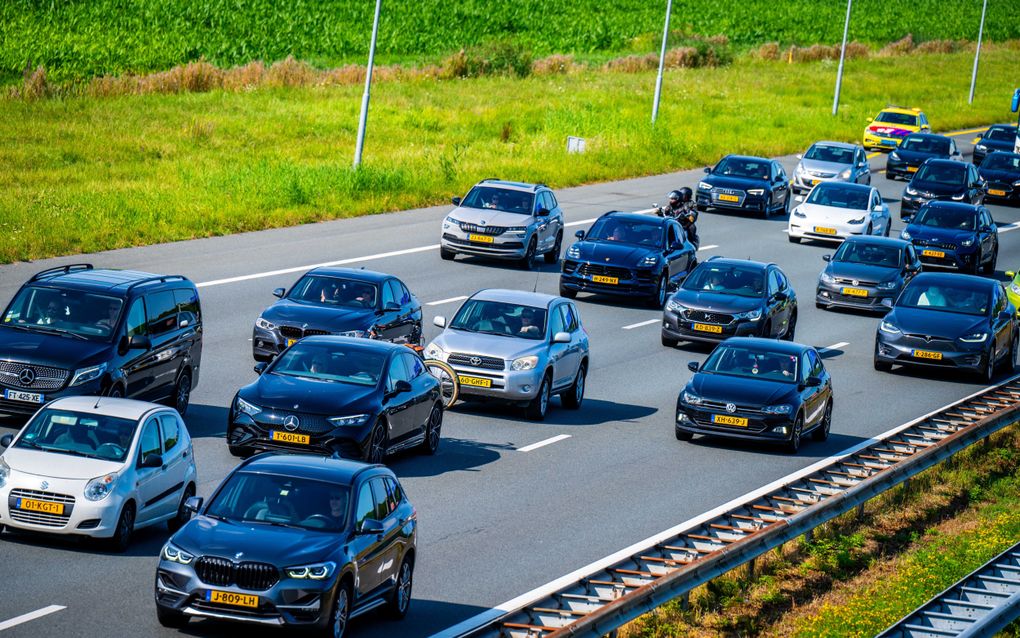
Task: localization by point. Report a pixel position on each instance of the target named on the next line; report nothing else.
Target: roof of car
(773, 345)
(876, 240)
(311, 466)
(351, 273)
(901, 109)
(947, 162)
(353, 342)
(107, 406)
(748, 157)
(836, 144)
(1007, 153)
(1003, 126)
(636, 217)
(521, 186)
(927, 136)
(515, 296)
(719, 260)
(100, 279)
(938, 203)
(850, 186)
(953, 277)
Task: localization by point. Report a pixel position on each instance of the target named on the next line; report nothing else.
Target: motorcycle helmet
(686, 194)
(675, 198)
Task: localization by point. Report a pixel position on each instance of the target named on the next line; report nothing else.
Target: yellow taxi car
(1013, 289)
(891, 125)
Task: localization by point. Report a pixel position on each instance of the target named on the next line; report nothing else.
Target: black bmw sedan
(758, 389)
(917, 148)
(1001, 175)
(752, 184)
(292, 540)
(866, 273)
(941, 180)
(724, 298)
(358, 398)
(944, 320)
(338, 301)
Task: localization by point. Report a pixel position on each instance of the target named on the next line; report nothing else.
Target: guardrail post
(685, 601)
(809, 536)
(860, 511)
(750, 569)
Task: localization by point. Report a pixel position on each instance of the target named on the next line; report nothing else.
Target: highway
(507, 505)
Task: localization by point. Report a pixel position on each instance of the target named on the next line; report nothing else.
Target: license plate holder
(27, 397)
(35, 505)
(728, 198)
(725, 419)
(938, 254)
(481, 239)
(475, 382)
(825, 230)
(855, 292)
(231, 598)
(290, 437)
(707, 327)
(601, 279)
(927, 354)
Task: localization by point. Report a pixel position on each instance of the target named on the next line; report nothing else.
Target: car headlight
(317, 571)
(1014, 288)
(859, 220)
(690, 397)
(981, 147)
(894, 156)
(1016, 183)
(826, 278)
(353, 420)
(673, 306)
(524, 363)
(886, 285)
(797, 213)
(100, 487)
(648, 261)
(911, 191)
(175, 554)
(967, 243)
(352, 333)
(265, 325)
(756, 191)
(84, 375)
(520, 230)
(5, 472)
(959, 197)
(777, 409)
(248, 408)
(845, 174)
(704, 186)
(885, 326)
(432, 351)
(751, 315)
(977, 337)
(904, 235)
(450, 221)
(573, 252)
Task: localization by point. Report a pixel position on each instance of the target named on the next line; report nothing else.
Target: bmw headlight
(966, 243)
(894, 156)
(704, 186)
(5, 472)
(649, 261)
(845, 174)
(248, 408)
(750, 315)
(977, 337)
(904, 235)
(673, 306)
(84, 375)
(886, 285)
(959, 198)
(317, 571)
(353, 420)
(574, 252)
(777, 409)
(265, 325)
(352, 333)
(859, 220)
(757, 192)
(690, 397)
(432, 351)
(885, 326)
(175, 554)
(911, 191)
(524, 363)
(100, 487)
(1014, 288)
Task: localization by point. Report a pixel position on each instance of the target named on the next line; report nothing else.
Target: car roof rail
(61, 270)
(490, 179)
(538, 186)
(155, 279)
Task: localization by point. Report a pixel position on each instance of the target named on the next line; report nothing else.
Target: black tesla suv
(866, 273)
(745, 183)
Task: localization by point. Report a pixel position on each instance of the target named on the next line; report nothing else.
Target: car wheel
(529, 255)
(821, 306)
(433, 431)
(821, 432)
(568, 293)
(766, 330)
(683, 435)
(881, 366)
(888, 227)
(539, 406)
(182, 393)
(669, 343)
(793, 445)
(400, 599)
(337, 627)
(121, 538)
(791, 329)
(170, 618)
(989, 268)
(786, 205)
(447, 255)
(792, 239)
(658, 298)
(988, 374)
(376, 451)
(183, 515)
(553, 255)
(574, 395)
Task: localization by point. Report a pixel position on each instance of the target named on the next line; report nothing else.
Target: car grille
(821, 174)
(931, 243)
(716, 192)
(222, 572)
(707, 317)
(294, 332)
(841, 281)
(307, 423)
(923, 342)
(851, 299)
(486, 363)
(485, 230)
(40, 518)
(720, 406)
(591, 269)
(46, 378)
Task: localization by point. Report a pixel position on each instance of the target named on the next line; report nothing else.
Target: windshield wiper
(60, 331)
(278, 524)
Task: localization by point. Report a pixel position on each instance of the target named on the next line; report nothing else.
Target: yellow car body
(1013, 289)
(887, 129)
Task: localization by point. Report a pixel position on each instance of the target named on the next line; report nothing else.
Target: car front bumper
(904, 350)
(958, 258)
(509, 245)
(872, 141)
(902, 169)
(256, 434)
(80, 516)
(804, 228)
(804, 183)
(831, 295)
(706, 200)
(773, 428)
(580, 276)
(682, 329)
(1002, 192)
(506, 384)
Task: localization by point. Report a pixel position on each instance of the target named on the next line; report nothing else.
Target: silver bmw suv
(522, 347)
(504, 220)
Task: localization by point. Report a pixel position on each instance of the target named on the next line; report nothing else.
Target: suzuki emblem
(44, 485)
(27, 376)
(731, 407)
(475, 361)
(291, 423)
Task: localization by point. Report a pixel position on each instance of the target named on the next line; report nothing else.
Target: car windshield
(1001, 134)
(334, 291)
(331, 363)
(856, 252)
(95, 436)
(835, 154)
(946, 217)
(626, 231)
(949, 174)
(79, 314)
(754, 169)
(506, 200)
(897, 118)
(287, 501)
(753, 363)
(1002, 162)
(500, 318)
(926, 145)
(742, 281)
(840, 196)
(945, 297)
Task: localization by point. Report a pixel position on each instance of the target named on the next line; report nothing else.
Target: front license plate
(17, 395)
(477, 382)
(481, 239)
(32, 505)
(996, 192)
(825, 230)
(705, 327)
(927, 354)
(290, 437)
(230, 598)
(729, 198)
(599, 279)
(911, 169)
(725, 419)
(855, 292)
(933, 253)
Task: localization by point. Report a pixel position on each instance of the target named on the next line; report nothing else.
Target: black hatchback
(1000, 173)
(866, 273)
(916, 149)
(941, 180)
(744, 183)
(1000, 137)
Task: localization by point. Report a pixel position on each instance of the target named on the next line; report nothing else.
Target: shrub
(554, 65)
(494, 58)
(903, 46)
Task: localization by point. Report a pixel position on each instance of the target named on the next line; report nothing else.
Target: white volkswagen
(98, 467)
(834, 211)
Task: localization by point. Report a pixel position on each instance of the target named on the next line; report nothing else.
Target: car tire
(433, 431)
(568, 293)
(792, 239)
(791, 328)
(341, 612)
(115, 392)
(658, 298)
(766, 330)
(121, 539)
(525, 262)
(183, 515)
(170, 618)
(539, 406)
(574, 395)
(821, 433)
(987, 374)
(669, 342)
(786, 205)
(447, 255)
(881, 366)
(888, 227)
(553, 256)
(400, 598)
(376, 450)
(683, 435)
(793, 445)
(989, 268)
(182, 392)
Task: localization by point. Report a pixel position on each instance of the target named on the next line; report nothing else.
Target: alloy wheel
(544, 400)
(377, 446)
(435, 429)
(340, 610)
(183, 397)
(404, 587)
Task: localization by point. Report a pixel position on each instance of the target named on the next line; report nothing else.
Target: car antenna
(535, 287)
(96, 406)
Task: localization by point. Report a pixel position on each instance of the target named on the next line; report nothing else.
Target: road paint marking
(488, 616)
(835, 346)
(32, 615)
(967, 131)
(642, 323)
(549, 441)
(582, 222)
(450, 300)
(1010, 227)
(874, 154)
(709, 247)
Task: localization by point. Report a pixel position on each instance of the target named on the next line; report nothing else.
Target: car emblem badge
(27, 376)
(731, 408)
(607, 258)
(475, 361)
(238, 555)
(291, 423)
(45, 485)
(855, 282)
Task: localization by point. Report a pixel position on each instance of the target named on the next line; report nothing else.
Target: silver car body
(810, 172)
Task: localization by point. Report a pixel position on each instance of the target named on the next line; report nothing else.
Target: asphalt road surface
(498, 515)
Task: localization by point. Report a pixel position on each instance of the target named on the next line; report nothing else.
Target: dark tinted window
(946, 296)
(187, 302)
(866, 253)
(323, 362)
(897, 118)
(395, 490)
(751, 168)
(1009, 162)
(366, 504)
(384, 504)
(743, 281)
(1001, 134)
(334, 291)
(162, 312)
(626, 231)
(45, 309)
(744, 361)
(945, 217)
(414, 365)
(840, 195)
(835, 154)
(935, 145)
(816, 364)
(275, 499)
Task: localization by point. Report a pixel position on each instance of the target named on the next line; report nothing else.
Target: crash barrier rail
(981, 604)
(607, 597)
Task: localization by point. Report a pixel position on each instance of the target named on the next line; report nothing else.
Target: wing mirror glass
(370, 526)
(193, 504)
(139, 341)
(152, 460)
(401, 386)
(780, 296)
(579, 234)
(260, 367)
(439, 321)
(455, 201)
(561, 337)
(812, 382)
(826, 257)
(6, 440)
(542, 212)
(279, 293)
(693, 366)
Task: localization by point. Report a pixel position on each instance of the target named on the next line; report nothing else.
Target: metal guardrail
(979, 605)
(600, 602)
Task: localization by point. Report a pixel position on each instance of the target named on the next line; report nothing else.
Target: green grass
(87, 174)
(82, 38)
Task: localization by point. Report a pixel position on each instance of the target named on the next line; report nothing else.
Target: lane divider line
(1009, 227)
(549, 441)
(32, 615)
(641, 323)
(708, 247)
(835, 346)
(450, 300)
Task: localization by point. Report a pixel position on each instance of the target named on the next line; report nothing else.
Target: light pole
(368, 89)
(977, 52)
(662, 62)
(842, 57)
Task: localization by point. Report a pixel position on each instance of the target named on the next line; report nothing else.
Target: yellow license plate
(724, 419)
(911, 169)
(933, 253)
(32, 505)
(481, 239)
(477, 382)
(230, 598)
(290, 437)
(996, 192)
(599, 279)
(825, 230)
(855, 292)
(729, 198)
(927, 354)
(705, 327)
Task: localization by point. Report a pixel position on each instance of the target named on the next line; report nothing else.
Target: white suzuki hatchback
(98, 467)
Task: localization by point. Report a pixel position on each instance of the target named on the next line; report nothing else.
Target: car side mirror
(579, 234)
(152, 460)
(139, 341)
(826, 257)
(455, 201)
(693, 366)
(812, 382)
(798, 199)
(392, 306)
(439, 321)
(279, 293)
(708, 169)
(260, 367)
(193, 504)
(561, 337)
(542, 212)
(1010, 274)
(6, 440)
(401, 386)
(780, 296)
(369, 526)
(878, 208)
(800, 156)
(871, 119)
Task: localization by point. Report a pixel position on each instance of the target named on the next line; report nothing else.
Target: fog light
(526, 388)
(681, 417)
(887, 302)
(779, 429)
(825, 294)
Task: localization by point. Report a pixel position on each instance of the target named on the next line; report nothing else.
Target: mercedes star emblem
(475, 361)
(291, 423)
(27, 376)
(731, 407)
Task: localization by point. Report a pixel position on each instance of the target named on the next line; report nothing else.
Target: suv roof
(521, 186)
(352, 273)
(515, 296)
(85, 277)
(311, 466)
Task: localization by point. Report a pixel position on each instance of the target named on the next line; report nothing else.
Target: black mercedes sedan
(628, 255)
(292, 540)
(866, 273)
(745, 183)
(338, 301)
(941, 180)
(724, 298)
(1000, 137)
(950, 321)
(758, 389)
(358, 398)
(1001, 175)
(917, 148)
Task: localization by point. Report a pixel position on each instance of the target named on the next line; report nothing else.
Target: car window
(366, 504)
(816, 364)
(187, 305)
(773, 283)
(395, 491)
(401, 292)
(415, 367)
(79, 434)
(506, 200)
(496, 317)
(783, 281)
(149, 441)
(384, 504)
(556, 322)
(171, 431)
(1000, 300)
(552, 200)
(570, 317)
(398, 372)
(671, 235)
(136, 323)
(805, 367)
(390, 294)
(162, 312)
(731, 279)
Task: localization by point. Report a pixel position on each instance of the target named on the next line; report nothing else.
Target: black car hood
(998, 145)
(740, 390)
(717, 302)
(935, 323)
(918, 157)
(936, 189)
(309, 315)
(942, 235)
(51, 350)
(327, 398)
(614, 253)
(863, 272)
(998, 175)
(729, 181)
(280, 546)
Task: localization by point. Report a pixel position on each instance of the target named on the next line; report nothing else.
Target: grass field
(83, 38)
(87, 174)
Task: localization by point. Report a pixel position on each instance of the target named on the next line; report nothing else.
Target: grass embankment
(859, 575)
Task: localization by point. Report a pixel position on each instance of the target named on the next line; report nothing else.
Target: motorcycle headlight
(756, 191)
(886, 285)
(894, 156)
(648, 261)
(248, 408)
(845, 174)
(317, 571)
(981, 147)
(524, 363)
(704, 186)
(100, 487)
(885, 326)
(1014, 288)
(352, 333)
(432, 351)
(175, 554)
(826, 278)
(959, 198)
(5, 472)
(911, 191)
(966, 243)
(84, 375)
(777, 409)
(673, 306)
(904, 235)
(751, 315)
(977, 337)
(265, 325)
(573, 252)
(690, 397)
(353, 420)
(859, 220)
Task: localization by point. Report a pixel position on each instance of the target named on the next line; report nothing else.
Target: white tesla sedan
(834, 211)
(97, 467)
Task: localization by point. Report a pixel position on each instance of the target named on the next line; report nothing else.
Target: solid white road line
(642, 323)
(549, 441)
(450, 300)
(32, 615)
(709, 247)
(1009, 227)
(835, 346)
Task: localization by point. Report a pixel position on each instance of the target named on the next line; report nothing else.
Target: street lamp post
(977, 52)
(842, 57)
(368, 88)
(662, 62)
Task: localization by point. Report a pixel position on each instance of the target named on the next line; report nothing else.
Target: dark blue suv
(955, 235)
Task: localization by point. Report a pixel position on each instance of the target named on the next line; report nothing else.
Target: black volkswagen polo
(357, 398)
(866, 273)
(745, 183)
(758, 389)
(915, 149)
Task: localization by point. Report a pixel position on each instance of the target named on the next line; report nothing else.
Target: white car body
(835, 223)
(52, 477)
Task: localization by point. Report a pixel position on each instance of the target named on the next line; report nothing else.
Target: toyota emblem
(27, 376)
(855, 282)
(45, 485)
(475, 361)
(731, 407)
(291, 423)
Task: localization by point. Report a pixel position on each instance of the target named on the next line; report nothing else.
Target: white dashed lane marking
(549, 441)
(32, 615)
(450, 300)
(642, 323)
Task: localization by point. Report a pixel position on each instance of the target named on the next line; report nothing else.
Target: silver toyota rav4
(504, 220)
(521, 347)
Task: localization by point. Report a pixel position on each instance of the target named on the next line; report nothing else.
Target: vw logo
(731, 407)
(27, 376)
(475, 361)
(45, 485)
(855, 282)
(291, 423)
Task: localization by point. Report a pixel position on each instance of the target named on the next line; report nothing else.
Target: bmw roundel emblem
(291, 423)
(731, 407)
(26, 376)
(475, 361)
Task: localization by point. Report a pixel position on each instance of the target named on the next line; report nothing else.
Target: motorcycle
(688, 218)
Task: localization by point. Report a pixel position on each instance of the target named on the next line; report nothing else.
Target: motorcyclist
(680, 206)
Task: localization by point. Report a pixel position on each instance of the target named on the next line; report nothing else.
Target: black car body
(955, 235)
(77, 330)
(292, 540)
(358, 398)
(916, 149)
(946, 180)
(1000, 137)
(628, 255)
(1001, 175)
(866, 273)
(724, 298)
(739, 182)
(338, 301)
(946, 320)
(758, 389)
